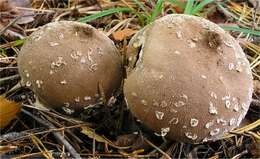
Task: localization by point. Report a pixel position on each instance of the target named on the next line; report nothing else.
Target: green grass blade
(189, 7)
(18, 42)
(243, 30)
(157, 10)
(141, 6)
(223, 9)
(142, 18)
(200, 6)
(104, 13)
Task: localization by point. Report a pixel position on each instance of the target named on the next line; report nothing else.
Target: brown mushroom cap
(191, 81)
(66, 62)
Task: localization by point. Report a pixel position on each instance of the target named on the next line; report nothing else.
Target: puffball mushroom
(188, 79)
(67, 63)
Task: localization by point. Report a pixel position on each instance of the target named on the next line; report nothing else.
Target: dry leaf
(91, 134)
(5, 6)
(10, 6)
(8, 111)
(122, 34)
(26, 15)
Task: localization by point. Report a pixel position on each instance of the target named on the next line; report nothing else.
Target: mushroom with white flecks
(67, 63)
(187, 79)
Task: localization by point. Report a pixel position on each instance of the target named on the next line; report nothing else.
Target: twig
(170, 149)
(8, 58)
(9, 25)
(94, 145)
(240, 154)
(9, 67)
(9, 78)
(57, 135)
(31, 155)
(157, 148)
(12, 136)
(14, 88)
(106, 155)
(27, 135)
(57, 115)
(181, 147)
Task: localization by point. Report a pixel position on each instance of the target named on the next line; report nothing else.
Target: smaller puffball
(68, 63)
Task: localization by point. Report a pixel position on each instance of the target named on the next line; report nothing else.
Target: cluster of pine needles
(102, 132)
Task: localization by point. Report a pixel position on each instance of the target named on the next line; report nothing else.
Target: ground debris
(110, 131)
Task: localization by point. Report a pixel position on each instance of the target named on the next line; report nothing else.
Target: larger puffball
(188, 79)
